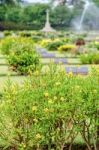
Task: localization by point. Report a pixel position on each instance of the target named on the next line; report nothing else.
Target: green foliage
(50, 110)
(2, 13)
(22, 56)
(54, 45)
(66, 47)
(7, 33)
(61, 16)
(9, 2)
(14, 14)
(90, 58)
(6, 44)
(35, 14)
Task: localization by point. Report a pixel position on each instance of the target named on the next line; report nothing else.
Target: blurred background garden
(49, 74)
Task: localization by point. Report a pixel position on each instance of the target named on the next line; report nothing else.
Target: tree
(35, 14)
(61, 16)
(9, 2)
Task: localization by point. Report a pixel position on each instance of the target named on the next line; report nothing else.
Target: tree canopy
(34, 15)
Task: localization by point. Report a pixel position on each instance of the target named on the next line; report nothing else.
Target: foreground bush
(50, 110)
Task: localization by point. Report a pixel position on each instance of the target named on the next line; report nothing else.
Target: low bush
(50, 110)
(45, 42)
(7, 43)
(96, 45)
(23, 57)
(21, 54)
(67, 47)
(7, 33)
(54, 45)
(25, 34)
(90, 58)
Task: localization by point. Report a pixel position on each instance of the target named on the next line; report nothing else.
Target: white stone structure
(48, 27)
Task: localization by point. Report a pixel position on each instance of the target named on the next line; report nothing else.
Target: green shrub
(6, 44)
(52, 109)
(23, 57)
(67, 47)
(7, 33)
(54, 45)
(96, 45)
(90, 58)
(36, 38)
(25, 34)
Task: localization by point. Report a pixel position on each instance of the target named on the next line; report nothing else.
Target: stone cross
(47, 27)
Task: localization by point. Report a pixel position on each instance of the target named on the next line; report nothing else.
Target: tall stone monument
(47, 27)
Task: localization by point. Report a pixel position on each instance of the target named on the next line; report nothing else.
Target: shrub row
(62, 44)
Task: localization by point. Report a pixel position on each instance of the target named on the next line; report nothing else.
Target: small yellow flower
(35, 120)
(26, 120)
(95, 91)
(50, 101)
(13, 88)
(62, 98)
(34, 108)
(70, 74)
(46, 94)
(58, 129)
(30, 72)
(23, 145)
(57, 83)
(77, 87)
(46, 110)
(36, 73)
(55, 97)
(38, 136)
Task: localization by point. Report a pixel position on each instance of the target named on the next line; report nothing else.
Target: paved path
(70, 63)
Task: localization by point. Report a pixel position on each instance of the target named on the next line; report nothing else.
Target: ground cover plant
(50, 111)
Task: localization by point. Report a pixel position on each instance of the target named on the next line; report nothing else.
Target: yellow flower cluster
(50, 101)
(46, 110)
(45, 42)
(46, 94)
(67, 47)
(70, 74)
(38, 136)
(34, 108)
(62, 99)
(57, 83)
(36, 73)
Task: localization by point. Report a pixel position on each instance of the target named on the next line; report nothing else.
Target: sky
(36, 1)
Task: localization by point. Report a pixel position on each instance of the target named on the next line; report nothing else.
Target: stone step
(60, 60)
(4, 71)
